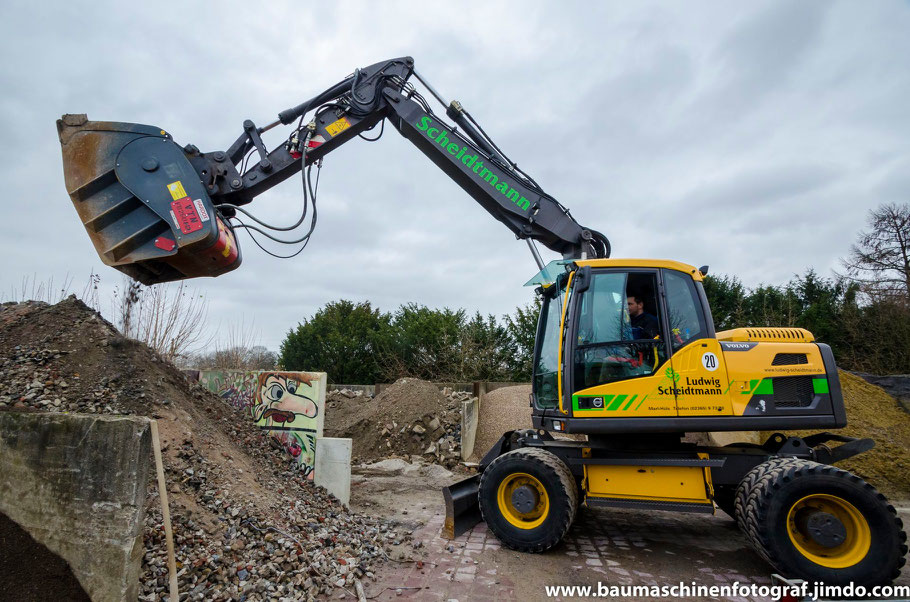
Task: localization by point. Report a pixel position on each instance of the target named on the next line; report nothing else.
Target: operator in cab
(647, 325)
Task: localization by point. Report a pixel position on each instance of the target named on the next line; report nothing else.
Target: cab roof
(620, 262)
(548, 275)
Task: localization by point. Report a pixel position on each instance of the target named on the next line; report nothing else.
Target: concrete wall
(365, 389)
(289, 405)
(470, 410)
(78, 484)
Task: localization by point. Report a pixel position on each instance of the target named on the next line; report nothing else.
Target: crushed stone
(247, 526)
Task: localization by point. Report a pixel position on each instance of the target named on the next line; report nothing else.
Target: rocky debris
(409, 417)
(247, 526)
(343, 394)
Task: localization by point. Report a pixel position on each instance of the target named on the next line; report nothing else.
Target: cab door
(701, 385)
(617, 364)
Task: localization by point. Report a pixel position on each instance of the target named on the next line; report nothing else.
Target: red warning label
(185, 215)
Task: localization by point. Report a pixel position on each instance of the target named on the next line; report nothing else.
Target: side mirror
(582, 280)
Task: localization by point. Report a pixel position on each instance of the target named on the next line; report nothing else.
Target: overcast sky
(753, 137)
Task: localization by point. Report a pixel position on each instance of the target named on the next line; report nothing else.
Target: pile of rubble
(410, 417)
(247, 525)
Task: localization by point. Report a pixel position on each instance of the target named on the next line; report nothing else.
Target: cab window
(618, 329)
(687, 321)
(546, 366)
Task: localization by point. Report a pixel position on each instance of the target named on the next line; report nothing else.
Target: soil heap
(246, 525)
(873, 413)
(501, 410)
(410, 417)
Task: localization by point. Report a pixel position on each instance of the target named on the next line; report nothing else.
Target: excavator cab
(142, 202)
(601, 370)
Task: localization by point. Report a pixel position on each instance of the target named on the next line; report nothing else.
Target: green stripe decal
(631, 399)
(641, 402)
(820, 386)
(765, 387)
(616, 402)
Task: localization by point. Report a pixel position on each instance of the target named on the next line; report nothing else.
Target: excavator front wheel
(528, 498)
(820, 523)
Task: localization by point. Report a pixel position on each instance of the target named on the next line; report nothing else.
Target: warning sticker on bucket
(203, 214)
(185, 215)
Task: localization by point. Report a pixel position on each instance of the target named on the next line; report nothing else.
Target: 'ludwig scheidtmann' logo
(471, 162)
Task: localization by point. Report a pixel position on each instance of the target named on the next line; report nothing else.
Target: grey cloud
(676, 130)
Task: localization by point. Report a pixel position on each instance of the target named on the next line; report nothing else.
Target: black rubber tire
(748, 483)
(784, 484)
(559, 484)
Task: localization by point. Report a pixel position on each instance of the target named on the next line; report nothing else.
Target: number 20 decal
(709, 361)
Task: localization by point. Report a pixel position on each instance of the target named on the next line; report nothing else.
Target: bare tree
(168, 318)
(880, 259)
(237, 349)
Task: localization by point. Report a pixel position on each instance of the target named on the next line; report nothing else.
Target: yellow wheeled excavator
(633, 385)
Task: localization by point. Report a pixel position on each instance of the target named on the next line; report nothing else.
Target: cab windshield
(546, 364)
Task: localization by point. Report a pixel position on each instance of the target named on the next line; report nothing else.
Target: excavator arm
(159, 212)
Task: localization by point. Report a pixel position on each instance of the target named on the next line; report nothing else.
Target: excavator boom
(161, 212)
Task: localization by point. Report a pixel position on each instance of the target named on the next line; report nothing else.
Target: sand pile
(501, 410)
(247, 526)
(873, 413)
(410, 417)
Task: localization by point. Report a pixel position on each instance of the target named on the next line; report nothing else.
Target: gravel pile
(501, 410)
(247, 525)
(410, 417)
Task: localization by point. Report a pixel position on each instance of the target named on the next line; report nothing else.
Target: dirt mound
(246, 524)
(873, 413)
(501, 410)
(410, 417)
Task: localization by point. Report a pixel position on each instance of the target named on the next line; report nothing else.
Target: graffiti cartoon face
(280, 401)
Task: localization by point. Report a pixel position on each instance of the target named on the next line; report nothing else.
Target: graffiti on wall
(288, 405)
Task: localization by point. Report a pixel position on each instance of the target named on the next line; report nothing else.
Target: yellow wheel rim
(523, 520)
(853, 534)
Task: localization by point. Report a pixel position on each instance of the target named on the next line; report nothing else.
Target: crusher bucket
(142, 202)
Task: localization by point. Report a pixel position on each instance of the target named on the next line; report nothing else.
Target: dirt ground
(619, 547)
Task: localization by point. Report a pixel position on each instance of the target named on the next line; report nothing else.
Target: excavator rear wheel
(528, 498)
(820, 523)
(748, 483)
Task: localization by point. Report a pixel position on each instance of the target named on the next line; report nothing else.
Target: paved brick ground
(616, 547)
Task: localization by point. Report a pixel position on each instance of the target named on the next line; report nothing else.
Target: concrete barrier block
(470, 411)
(333, 467)
(78, 484)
